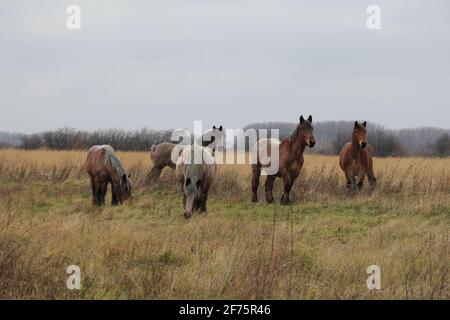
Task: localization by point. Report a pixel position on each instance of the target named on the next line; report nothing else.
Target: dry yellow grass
(319, 247)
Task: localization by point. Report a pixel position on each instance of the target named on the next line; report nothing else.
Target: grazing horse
(356, 158)
(290, 159)
(161, 154)
(104, 167)
(195, 173)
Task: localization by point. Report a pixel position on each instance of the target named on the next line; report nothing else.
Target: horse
(104, 167)
(195, 172)
(161, 154)
(290, 160)
(212, 139)
(355, 158)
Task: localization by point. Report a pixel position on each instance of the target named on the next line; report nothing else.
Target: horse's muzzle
(187, 215)
(363, 144)
(312, 144)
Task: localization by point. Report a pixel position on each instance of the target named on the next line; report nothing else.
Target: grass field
(317, 248)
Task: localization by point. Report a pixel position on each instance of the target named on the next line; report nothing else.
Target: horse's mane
(193, 171)
(114, 161)
(293, 134)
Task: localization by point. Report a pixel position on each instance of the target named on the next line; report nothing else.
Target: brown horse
(290, 159)
(356, 158)
(195, 178)
(161, 154)
(103, 167)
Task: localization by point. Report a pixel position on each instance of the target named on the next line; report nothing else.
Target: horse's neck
(297, 147)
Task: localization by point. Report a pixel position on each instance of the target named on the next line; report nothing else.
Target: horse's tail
(152, 152)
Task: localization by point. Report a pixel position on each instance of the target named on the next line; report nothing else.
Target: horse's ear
(356, 124)
(214, 127)
(310, 118)
(364, 124)
(220, 128)
(302, 119)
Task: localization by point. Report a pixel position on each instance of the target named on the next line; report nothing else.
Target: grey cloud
(164, 64)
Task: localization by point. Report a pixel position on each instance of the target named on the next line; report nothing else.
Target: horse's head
(123, 190)
(359, 135)
(306, 131)
(213, 138)
(192, 190)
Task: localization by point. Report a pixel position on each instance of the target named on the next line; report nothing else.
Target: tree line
(330, 137)
(71, 139)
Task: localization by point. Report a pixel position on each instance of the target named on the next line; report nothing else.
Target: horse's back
(162, 153)
(95, 160)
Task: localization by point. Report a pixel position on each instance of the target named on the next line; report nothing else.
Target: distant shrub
(442, 146)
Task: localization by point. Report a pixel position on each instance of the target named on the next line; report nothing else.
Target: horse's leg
(372, 178)
(94, 192)
(153, 175)
(269, 187)
(361, 177)
(287, 181)
(360, 184)
(114, 199)
(256, 173)
(104, 188)
(203, 201)
(98, 195)
(348, 176)
(98, 182)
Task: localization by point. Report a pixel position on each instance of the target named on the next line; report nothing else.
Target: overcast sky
(164, 64)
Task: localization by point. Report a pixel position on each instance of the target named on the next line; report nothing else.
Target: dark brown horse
(161, 154)
(103, 167)
(290, 159)
(356, 158)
